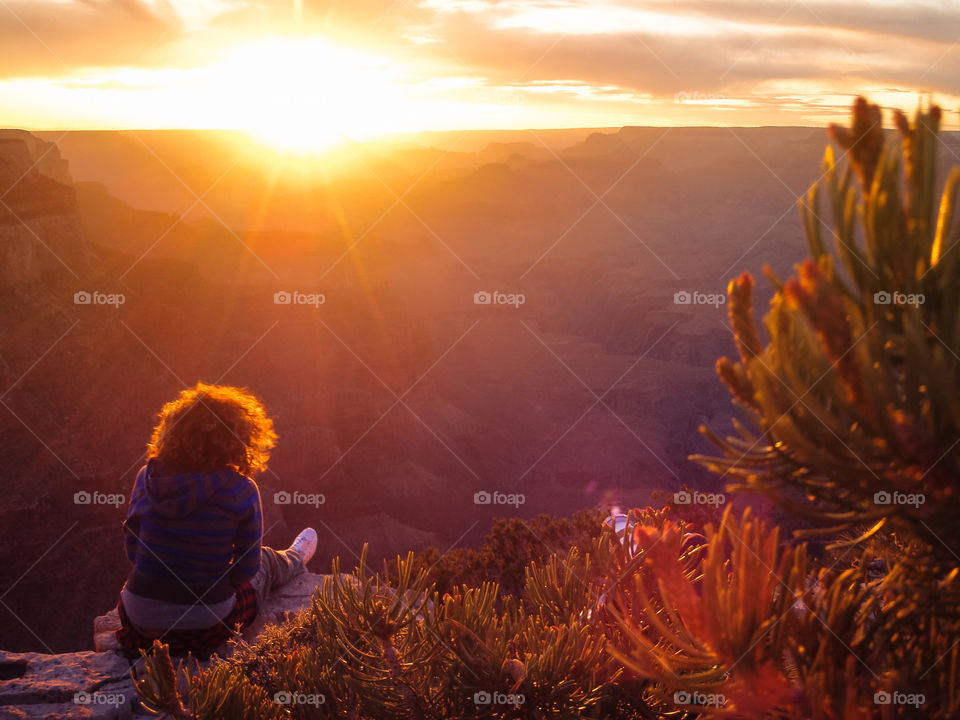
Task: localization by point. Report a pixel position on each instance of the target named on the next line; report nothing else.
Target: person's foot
(305, 544)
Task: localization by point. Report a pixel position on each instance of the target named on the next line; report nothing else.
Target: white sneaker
(305, 544)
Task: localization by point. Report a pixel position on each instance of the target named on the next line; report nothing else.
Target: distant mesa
(46, 155)
(513, 154)
(601, 145)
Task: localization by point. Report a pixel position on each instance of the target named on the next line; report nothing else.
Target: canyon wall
(40, 229)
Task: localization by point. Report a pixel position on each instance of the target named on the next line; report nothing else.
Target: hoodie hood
(180, 495)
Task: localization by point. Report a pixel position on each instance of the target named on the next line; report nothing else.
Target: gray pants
(277, 568)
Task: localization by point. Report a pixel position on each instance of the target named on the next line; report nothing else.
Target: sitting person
(194, 528)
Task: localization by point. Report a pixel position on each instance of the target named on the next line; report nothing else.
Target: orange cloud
(45, 38)
(556, 61)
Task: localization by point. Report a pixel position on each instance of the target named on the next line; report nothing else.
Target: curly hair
(212, 427)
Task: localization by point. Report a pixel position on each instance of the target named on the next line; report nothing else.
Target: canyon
(350, 294)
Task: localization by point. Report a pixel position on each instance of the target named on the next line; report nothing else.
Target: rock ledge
(97, 684)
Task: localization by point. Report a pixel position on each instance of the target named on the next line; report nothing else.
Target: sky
(304, 70)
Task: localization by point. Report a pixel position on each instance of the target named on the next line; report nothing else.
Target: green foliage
(510, 546)
(709, 621)
(185, 692)
(856, 393)
(853, 421)
(387, 645)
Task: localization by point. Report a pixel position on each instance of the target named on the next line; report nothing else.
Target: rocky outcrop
(71, 685)
(97, 685)
(46, 155)
(40, 228)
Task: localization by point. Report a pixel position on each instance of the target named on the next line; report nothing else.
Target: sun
(307, 94)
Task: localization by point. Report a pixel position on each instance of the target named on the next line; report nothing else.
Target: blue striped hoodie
(192, 536)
